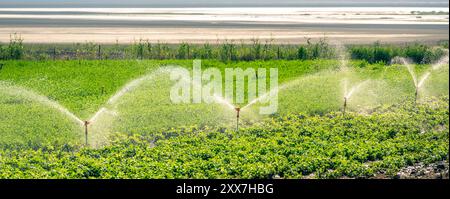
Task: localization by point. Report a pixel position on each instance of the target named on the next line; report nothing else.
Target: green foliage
(292, 146)
(138, 48)
(419, 53)
(183, 51)
(308, 138)
(226, 51)
(443, 44)
(206, 52)
(89, 83)
(302, 53)
(14, 49)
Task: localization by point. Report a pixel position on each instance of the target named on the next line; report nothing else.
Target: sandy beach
(198, 25)
(211, 35)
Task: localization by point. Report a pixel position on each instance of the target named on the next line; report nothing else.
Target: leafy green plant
(309, 137)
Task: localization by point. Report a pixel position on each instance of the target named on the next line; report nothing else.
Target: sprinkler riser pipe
(416, 95)
(86, 132)
(345, 105)
(237, 124)
(238, 110)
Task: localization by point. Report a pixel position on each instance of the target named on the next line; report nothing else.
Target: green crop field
(141, 134)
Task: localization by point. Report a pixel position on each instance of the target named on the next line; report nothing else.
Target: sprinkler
(238, 109)
(345, 106)
(86, 123)
(416, 94)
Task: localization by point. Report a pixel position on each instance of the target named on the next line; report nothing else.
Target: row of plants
(84, 86)
(419, 53)
(291, 146)
(223, 51)
(14, 49)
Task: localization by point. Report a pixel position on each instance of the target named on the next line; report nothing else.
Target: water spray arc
(228, 104)
(348, 94)
(84, 125)
(90, 125)
(418, 83)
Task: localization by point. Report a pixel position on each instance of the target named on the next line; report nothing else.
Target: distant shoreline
(208, 25)
(213, 35)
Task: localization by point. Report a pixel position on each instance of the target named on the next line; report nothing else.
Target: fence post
(54, 53)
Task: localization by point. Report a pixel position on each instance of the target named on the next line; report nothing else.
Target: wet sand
(282, 25)
(211, 35)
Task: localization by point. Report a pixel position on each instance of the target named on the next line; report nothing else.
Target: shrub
(416, 52)
(15, 47)
(302, 53)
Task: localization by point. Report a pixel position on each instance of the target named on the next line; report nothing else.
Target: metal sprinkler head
(345, 105)
(238, 109)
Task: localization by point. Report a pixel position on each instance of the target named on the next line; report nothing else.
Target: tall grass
(14, 49)
(225, 51)
(378, 53)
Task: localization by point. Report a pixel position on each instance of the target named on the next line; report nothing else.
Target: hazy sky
(213, 3)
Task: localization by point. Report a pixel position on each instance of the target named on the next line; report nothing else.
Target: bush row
(224, 51)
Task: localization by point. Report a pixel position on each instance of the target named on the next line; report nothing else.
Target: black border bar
(281, 188)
